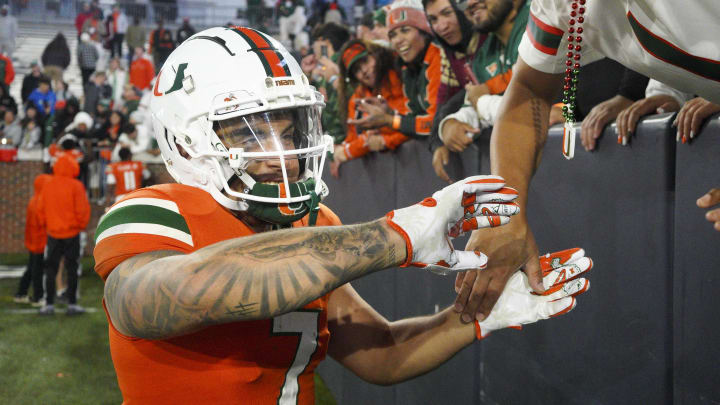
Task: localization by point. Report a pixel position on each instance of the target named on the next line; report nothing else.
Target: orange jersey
(253, 362)
(128, 176)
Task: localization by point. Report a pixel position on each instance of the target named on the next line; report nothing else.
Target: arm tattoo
(247, 278)
(539, 125)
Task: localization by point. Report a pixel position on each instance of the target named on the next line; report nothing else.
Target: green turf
(61, 359)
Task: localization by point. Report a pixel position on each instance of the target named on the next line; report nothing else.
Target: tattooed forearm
(245, 278)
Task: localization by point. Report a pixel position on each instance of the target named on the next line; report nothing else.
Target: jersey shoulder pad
(145, 220)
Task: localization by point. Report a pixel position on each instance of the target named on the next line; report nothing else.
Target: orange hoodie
(65, 209)
(35, 236)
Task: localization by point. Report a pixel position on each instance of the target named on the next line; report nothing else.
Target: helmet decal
(272, 60)
(177, 83)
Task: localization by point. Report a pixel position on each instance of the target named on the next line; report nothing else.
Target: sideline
(34, 311)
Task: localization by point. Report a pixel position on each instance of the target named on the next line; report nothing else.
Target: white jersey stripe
(150, 229)
(157, 202)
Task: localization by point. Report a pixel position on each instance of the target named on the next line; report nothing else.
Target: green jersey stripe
(147, 214)
(148, 229)
(668, 52)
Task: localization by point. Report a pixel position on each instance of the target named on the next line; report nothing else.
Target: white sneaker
(21, 299)
(74, 309)
(47, 310)
(38, 303)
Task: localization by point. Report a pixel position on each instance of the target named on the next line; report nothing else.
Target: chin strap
(314, 205)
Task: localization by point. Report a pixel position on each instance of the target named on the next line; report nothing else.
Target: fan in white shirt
(673, 42)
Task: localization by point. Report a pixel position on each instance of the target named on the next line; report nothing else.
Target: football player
(216, 289)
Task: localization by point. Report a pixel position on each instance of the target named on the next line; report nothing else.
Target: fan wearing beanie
(411, 37)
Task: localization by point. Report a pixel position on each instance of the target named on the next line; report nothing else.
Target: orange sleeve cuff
(478, 332)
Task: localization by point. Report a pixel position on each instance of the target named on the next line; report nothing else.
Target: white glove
(519, 305)
(473, 203)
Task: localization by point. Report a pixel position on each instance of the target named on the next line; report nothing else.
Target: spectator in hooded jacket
(35, 238)
(141, 70)
(56, 58)
(65, 210)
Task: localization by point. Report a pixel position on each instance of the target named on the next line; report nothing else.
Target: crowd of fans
(427, 70)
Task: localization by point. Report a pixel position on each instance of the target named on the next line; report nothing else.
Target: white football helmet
(215, 107)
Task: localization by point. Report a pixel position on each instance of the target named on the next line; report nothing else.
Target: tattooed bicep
(128, 267)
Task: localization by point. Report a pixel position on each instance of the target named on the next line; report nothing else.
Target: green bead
(566, 92)
(574, 79)
(573, 89)
(576, 71)
(572, 99)
(564, 108)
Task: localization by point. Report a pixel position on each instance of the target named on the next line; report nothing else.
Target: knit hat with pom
(408, 12)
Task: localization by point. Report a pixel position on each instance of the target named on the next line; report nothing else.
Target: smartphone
(323, 50)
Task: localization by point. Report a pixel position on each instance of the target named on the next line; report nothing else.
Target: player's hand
(455, 134)
(711, 199)
(627, 119)
(441, 157)
(519, 305)
(510, 248)
(691, 116)
(594, 123)
(427, 227)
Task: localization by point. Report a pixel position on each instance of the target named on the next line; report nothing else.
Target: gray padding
(643, 334)
(696, 283)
